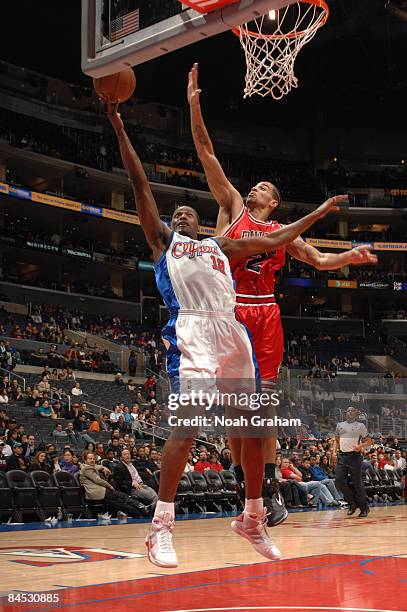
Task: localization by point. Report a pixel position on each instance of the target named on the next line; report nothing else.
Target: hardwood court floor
(105, 568)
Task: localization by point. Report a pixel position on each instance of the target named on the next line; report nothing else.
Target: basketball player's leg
(239, 361)
(173, 462)
(264, 324)
(189, 367)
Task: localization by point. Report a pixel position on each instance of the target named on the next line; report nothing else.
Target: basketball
(117, 87)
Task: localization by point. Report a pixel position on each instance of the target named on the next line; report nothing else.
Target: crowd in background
(305, 463)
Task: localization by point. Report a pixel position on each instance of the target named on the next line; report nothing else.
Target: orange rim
(318, 3)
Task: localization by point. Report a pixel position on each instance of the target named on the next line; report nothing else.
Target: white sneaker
(253, 528)
(160, 550)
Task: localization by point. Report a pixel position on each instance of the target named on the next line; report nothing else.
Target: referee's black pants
(351, 464)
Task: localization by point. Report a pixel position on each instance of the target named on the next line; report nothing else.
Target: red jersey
(254, 276)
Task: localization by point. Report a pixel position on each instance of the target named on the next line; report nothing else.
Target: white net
(272, 42)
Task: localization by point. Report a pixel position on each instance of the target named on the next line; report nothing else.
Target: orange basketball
(117, 87)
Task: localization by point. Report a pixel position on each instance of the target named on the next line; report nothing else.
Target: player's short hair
(190, 207)
(276, 194)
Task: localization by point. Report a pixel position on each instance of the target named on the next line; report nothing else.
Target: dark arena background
(82, 361)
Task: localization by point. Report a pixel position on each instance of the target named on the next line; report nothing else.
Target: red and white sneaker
(160, 550)
(253, 528)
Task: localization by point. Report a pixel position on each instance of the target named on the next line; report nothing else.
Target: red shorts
(264, 325)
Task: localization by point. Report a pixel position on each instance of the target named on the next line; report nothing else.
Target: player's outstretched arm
(221, 188)
(156, 232)
(307, 253)
(235, 249)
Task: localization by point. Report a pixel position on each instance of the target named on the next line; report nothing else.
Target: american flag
(124, 25)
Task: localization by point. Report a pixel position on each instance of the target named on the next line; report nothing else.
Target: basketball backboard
(121, 33)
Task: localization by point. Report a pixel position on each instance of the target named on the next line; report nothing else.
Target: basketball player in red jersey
(254, 276)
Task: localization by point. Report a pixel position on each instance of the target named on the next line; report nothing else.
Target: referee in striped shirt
(351, 438)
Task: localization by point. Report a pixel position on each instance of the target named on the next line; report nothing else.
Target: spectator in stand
(150, 383)
(3, 396)
(114, 415)
(119, 380)
(115, 447)
(18, 394)
(40, 463)
(80, 427)
(44, 385)
(90, 446)
(67, 464)
(110, 460)
(130, 482)
(326, 496)
(290, 443)
(214, 462)
(72, 357)
(94, 426)
(45, 411)
(327, 467)
(294, 496)
(120, 425)
(99, 452)
(59, 433)
(16, 461)
(76, 391)
(155, 361)
(202, 464)
(399, 460)
(29, 447)
(226, 458)
(71, 433)
(190, 465)
(386, 462)
(54, 462)
(290, 472)
(5, 449)
(318, 473)
(133, 363)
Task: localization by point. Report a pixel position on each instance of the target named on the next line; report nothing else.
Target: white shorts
(210, 352)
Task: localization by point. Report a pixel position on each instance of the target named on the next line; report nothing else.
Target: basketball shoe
(274, 503)
(253, 528)
(160, 550)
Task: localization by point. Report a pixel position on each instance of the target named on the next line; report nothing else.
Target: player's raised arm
(221, 188)
(156, 232)
(235, 249)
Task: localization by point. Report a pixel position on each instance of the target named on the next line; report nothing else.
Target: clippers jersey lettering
(194, 275)
(254, 276)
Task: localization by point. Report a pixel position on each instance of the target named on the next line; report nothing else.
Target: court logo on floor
(43, 556)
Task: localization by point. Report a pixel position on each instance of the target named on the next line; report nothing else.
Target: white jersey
(206, 347)
(194, 276)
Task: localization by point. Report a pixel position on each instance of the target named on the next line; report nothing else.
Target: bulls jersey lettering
(256, 306)
(255, 276)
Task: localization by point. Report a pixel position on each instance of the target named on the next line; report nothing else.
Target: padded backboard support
(101, 57)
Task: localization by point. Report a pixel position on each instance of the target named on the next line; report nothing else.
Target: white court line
(299, 607)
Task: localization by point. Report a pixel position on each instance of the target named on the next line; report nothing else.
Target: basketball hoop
(272, 42)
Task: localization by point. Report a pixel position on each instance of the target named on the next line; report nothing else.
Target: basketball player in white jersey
(204, 341)
(254, 277)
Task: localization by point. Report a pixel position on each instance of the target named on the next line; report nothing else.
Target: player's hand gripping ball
(117, 87)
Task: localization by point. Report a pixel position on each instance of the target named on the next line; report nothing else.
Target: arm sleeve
(96, 479)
